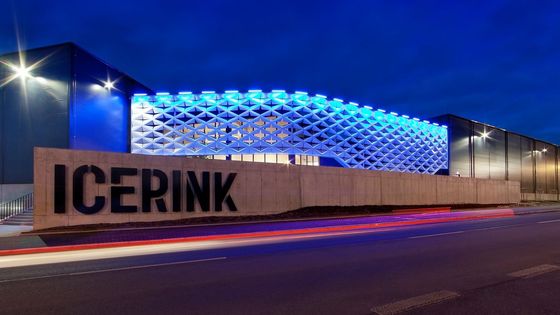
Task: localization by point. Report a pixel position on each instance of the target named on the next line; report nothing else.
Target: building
(55, 97)
(63, 97)
(483, 151)
(281, 127)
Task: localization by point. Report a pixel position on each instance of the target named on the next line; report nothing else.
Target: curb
(422, 210)
(503, 214)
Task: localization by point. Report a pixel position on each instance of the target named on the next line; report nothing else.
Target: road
(479, 266)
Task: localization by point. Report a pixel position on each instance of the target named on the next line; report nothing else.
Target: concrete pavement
(13, 230)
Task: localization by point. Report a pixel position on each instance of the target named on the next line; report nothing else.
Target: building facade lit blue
(282, 127)
(68, 98)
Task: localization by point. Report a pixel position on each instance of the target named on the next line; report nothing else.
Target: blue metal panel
(99, 116)
(34, 109)
(60, 103)
(278, 122)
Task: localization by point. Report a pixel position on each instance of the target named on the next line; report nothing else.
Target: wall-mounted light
(109, 85)
(22, 71)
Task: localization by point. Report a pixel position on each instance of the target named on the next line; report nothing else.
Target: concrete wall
(259, 188)
(540, 197)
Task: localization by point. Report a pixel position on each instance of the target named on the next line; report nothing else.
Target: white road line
(490, 228)
(439, 234)
(415, 302)
(534, 271)
(114, 269)
(549, 221)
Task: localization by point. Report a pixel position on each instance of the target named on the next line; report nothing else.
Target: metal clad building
(63, 97)
(484, 151)
(57, 99)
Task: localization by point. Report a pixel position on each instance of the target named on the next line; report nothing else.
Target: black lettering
(78, 189)
(118, 191)
(221, 192)
(176, 178)
(195, 192)
(59, 188)
(148, 193)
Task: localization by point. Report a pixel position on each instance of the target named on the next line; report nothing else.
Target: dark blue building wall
(33, 111)
(95, 108)
(63, 105)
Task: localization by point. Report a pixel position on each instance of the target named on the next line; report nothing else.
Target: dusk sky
(493, 61)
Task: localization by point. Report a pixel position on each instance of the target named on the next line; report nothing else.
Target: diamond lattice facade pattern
(256, 122)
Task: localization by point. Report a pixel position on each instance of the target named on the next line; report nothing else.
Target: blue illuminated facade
(283, 124)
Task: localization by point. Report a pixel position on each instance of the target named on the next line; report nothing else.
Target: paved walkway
(13, 230)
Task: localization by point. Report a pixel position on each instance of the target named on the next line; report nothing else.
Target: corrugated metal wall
(482, 151)
(107, 111)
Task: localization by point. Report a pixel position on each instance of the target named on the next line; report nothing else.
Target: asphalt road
(478, 266)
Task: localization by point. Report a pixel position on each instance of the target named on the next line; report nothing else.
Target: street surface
(493, 266)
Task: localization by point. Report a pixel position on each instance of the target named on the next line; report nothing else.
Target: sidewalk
(13, 230)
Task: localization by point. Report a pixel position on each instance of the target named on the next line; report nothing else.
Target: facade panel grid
(514, 157)
(285, 123)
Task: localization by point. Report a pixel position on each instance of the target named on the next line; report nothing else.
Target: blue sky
(492, 61)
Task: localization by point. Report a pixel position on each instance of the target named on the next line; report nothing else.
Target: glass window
(315, 161)
(270, 158)
(259, 158)
(283, 158)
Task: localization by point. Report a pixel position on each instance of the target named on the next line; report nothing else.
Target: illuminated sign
(182, 185)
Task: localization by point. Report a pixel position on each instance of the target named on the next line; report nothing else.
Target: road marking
(439, 234)
(490, 228)
(534, 271)
(415, 302)
(114, 269)
(549, 221)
